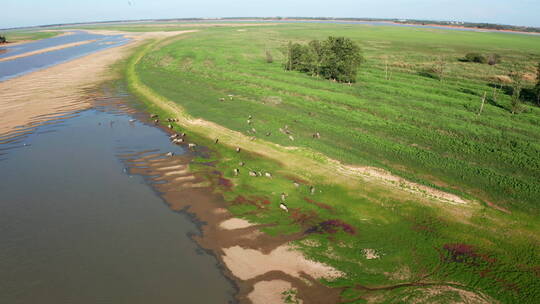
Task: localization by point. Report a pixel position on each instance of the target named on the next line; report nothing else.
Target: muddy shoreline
(196, 198)
(235, 246)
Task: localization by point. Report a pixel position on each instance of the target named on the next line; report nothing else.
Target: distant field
(416, 126)
(413, 125)
(15, 36)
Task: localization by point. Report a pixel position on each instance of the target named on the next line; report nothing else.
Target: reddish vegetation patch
(331, 227)
(460, 252)
(320, 205)
(227, 183)
(304, 218)
(257, 201)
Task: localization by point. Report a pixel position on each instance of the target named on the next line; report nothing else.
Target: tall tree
(341, 59)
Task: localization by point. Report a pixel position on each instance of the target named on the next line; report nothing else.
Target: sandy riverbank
(62, 87)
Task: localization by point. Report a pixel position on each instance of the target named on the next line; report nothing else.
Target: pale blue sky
(17, 13)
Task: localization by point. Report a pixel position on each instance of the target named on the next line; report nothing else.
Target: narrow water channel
(75, 227)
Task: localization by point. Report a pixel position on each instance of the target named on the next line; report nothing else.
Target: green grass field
(418, 127)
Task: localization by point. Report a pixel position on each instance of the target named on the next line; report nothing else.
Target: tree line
(336, 58)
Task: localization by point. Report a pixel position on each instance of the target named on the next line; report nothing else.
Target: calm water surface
(76, 228)
(24, 65)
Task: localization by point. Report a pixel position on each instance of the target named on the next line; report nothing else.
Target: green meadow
(397, 117)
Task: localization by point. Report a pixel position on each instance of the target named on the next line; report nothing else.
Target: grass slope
(418, 127)
(413, 125)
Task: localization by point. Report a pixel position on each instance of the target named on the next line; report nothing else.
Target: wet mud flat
(77, 227)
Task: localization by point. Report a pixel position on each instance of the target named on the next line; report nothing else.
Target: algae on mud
(423, 129)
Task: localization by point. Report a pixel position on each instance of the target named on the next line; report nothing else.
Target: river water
(76, 227)
(24, 65)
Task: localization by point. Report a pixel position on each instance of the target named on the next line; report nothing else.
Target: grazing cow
(283, 196)
(291, 137)
(156, 121)
(242, 163)
(169, 154)
(217, 140)
(249, 121)
(269, 133)
(236, 172)
(253, 173)
(222, 99)
(252, 138)
(296, 184)
(174, 136)
(250, 117)
(191, 145)
(238, 149)
(153, 116)
(183, 134)
(283, 207)
(253, 130)
(170, 126)
(312, 190)
(268, 174)
(317, 135)
(230, 96)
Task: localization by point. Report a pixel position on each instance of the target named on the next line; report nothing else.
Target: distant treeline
(486, 26)
(336, 58)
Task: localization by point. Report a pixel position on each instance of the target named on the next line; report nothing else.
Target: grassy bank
(390, 245)
(416, 126)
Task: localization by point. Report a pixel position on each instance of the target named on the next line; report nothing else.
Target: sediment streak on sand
(60, 88)
(46, 50)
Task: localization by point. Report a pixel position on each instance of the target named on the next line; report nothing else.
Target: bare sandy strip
(247, 263)
(235, 223)
(59, 88)
(269, 291)
(50, 49)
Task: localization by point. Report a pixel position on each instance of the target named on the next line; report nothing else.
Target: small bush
(475, 57)
(494, 59)
(3, 39)
(269, 58)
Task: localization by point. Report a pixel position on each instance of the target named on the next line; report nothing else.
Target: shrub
(494, 59)
(3, 39)
(269, 58)
(475, 57)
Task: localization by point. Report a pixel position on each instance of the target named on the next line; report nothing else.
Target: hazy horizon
(26, 13)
